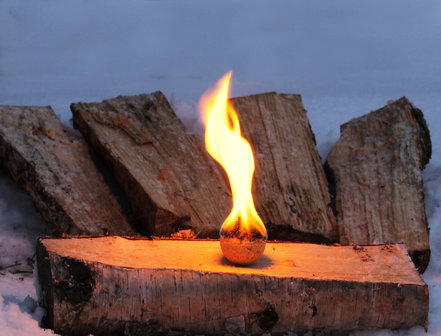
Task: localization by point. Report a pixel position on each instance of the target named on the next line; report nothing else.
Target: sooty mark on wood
(268, 318)
(76, 283)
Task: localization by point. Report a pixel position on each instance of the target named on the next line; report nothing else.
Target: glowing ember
(243, 234)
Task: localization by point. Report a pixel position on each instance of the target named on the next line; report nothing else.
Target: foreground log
(56, 170)
(377, 165)
(137, 286)
(173, 184)
(290, 187)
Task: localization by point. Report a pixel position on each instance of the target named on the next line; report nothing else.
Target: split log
(138, 286)
(170, 181)
(56, 170)
(290, 187)
(173, 184)
(376, 166)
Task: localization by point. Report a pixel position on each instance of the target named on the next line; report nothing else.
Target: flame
(224, 142)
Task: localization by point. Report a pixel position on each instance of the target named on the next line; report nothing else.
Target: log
(170, 181)
(137, 286)
(290, 187)
(55, 168)
(174, 185)
(377, 168)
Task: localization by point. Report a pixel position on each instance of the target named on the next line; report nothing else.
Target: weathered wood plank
(169, 179)
(173, 184)
(377, 167)
(56, 170)
(113, 284)
(290, 187)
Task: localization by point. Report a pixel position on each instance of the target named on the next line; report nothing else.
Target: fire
(224, 142)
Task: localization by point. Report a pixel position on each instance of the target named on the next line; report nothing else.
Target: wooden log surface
(56, 170)
(174, 185)
(168, 178)
(377, 168)
(290, 187)
(112, 284)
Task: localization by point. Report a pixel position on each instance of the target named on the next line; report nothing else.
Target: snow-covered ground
(345, 57)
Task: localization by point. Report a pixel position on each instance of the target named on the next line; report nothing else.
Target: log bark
(169, 179)
(174, 185)
(56, 170)
(290, 187)
(136, 286)
(377, 169)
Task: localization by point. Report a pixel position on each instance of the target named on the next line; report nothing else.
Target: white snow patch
(19, 311)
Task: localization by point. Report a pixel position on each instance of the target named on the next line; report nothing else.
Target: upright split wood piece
(56, 170)
(173, 184)
(377, 167)
(116, 285)
(290, 187)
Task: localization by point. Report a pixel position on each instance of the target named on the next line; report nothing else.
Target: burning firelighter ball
(243, 234)
(242, 250)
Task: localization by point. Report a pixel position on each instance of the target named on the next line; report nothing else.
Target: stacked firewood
(369, 192)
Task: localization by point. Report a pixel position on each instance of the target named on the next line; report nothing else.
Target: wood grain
(290, 187)
(113, 284)
(377, 168)
(174, 185)
(56, 170)
(169, 179)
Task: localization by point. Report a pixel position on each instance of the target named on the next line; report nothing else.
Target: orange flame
(226, 145)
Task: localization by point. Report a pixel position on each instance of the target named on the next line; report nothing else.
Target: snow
(19, 314)
(345, 57)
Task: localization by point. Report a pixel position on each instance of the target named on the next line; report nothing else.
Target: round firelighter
(242, 251)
